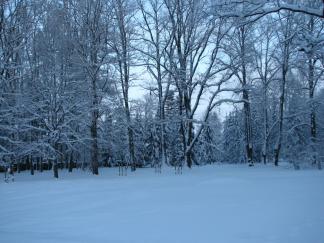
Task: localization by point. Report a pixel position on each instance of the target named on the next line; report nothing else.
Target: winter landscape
(219, 203)
(167, 121)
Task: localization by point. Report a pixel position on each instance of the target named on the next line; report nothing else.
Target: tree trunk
(265, 126)
(311, 87)
(19, 165)
(94, 133)
(189, 140)
(248, 128)
(94, 151)
(162, 118)
(130, 133)
(55, 164)
(41, 164)
(285, 68)
(31, 165)
(187, 106)
(182, 133)
(55, 169)
(313, 125)
(131, 148)
(246, 98)
(281, 112)
(71, 162)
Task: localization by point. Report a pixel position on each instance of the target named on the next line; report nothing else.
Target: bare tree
(260, 8)
(239, 49)
(16, 21)
(285, 35)
(121, 43)
(91, 23)
(309, 41)
(155, 41)
(196, 37)
(266, 68)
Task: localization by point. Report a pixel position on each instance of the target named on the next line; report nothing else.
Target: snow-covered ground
(211, 204)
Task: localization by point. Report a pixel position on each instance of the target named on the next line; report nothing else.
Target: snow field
(218, 203)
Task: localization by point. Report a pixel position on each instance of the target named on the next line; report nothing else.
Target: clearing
(210, 204)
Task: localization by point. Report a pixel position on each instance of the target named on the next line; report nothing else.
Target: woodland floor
(210, 204)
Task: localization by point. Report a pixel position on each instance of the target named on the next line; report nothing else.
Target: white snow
(219, 203)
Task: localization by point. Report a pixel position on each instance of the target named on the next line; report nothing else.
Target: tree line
(68, 68)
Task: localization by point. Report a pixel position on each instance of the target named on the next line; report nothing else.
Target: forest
(156, 83)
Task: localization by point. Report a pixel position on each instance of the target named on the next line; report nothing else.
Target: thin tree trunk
(19, 165)
(94, 150)
(187, 105)
(124, 66)
(55, 169)
(71, 162)
(41, 164)
(189, 140)
(182, 133)
(246, 98)
(285, 68)
(31, 165)
(131, 147)
(55, 164)
(248, 128)
(311, 87)
(94, 121)
(313, 125)
(161, 111)
(265, 126)
(281, 112)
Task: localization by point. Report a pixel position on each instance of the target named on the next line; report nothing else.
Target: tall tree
(92, 19)
(285, 36)
(193, 62)
(154, 43)
(309, 41)
(121, 43)
(266, 69)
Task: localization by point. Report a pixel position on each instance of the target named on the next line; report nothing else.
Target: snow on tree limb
(259, 8)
